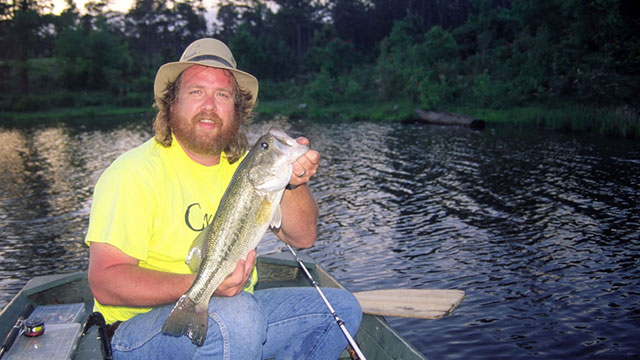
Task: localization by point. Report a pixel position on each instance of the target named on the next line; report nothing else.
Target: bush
(38, 102)
(422, 67)
(63, 99)
(320, 90)
(272, 90)
(135, 99)
(44, 74)
(624, 121)
(29, 103)
(483, 90)
(432, 94)
(353, 90)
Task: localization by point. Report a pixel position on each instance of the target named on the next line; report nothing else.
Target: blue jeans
(280, 323)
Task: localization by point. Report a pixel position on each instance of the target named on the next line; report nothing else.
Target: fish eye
(264, 145)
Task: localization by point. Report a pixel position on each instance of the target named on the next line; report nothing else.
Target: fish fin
(274, 183)
(187, 318)
(276, 221)
(194, 258)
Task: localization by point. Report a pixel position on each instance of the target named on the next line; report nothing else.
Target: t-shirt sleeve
(121, 212)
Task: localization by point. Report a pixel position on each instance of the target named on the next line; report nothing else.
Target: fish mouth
(285, 144)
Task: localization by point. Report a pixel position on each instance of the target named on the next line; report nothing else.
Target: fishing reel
(32, 327)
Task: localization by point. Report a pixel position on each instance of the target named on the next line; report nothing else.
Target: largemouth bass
(248, 207)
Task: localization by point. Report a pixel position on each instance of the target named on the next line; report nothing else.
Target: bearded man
(152, 201)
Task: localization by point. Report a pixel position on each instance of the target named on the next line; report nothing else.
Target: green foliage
(106, 59)
(623, 121)
(338, 81)
(92, 60)
(321, 90)
(422, 67)
(44, 74)
(483, 90)
(278, 90)
(393, 67)
(352, 89)
(69, 45)
(135, 99)
(479, 53)
(436, 68)
(54, 100)
(528, 66)
(332, 54)
(263, 56)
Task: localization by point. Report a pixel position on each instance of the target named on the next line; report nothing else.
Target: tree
(353, 23)
(296, 21)
(22, 24)
(232, 14)
(160, 30)
(393, 66)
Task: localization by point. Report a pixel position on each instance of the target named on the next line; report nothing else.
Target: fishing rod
(339, 321)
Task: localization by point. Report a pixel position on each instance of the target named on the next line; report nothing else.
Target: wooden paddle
(413, 303)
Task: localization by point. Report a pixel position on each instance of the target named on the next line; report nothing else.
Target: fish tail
(187, 318)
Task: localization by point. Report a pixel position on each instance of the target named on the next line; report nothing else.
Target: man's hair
(242, 113)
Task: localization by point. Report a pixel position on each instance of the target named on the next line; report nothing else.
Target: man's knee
(240, 319)
(347, 307)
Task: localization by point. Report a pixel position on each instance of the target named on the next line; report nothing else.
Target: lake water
(541, 229)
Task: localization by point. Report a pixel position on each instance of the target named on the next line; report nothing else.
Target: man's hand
(305, 166)
(299, 209)
(235, 282)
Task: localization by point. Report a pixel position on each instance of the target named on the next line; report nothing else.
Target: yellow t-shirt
(151, 203)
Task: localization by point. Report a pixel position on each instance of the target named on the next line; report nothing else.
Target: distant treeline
(434, 53)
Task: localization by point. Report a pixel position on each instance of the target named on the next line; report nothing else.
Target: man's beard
(202, 142)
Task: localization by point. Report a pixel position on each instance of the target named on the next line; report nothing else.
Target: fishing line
(338, 320)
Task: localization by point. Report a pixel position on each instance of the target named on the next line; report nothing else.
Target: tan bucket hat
(207, 52)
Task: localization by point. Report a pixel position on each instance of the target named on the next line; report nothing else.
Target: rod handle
(15, 330)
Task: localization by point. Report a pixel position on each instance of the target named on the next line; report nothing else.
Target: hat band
(212, 57)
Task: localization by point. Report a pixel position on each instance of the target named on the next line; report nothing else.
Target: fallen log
(445, 118)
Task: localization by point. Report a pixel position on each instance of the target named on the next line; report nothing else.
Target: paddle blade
(412, 303)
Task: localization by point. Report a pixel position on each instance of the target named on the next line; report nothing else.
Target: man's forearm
(131, 285)
(299, 218)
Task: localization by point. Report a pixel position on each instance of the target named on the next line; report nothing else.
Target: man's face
(203, 117)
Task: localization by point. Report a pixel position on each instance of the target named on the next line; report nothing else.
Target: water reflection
(47, 177)
(539, 228)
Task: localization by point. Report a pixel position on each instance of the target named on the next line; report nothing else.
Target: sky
(117, 5)
(124, 6)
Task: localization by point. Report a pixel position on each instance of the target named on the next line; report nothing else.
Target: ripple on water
(540, 229)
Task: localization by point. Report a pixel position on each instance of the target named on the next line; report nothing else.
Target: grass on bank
(622, 121)
(74, 115)
(391, 112)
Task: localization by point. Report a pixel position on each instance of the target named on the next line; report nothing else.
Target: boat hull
(376, 338)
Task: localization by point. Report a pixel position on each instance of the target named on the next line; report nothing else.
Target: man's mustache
(207, 115)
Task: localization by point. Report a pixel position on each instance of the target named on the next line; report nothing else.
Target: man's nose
(209, 102)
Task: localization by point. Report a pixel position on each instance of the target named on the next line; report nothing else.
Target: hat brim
(170, 71)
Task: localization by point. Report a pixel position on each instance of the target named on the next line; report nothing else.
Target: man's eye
(195, 92)
(224, 96)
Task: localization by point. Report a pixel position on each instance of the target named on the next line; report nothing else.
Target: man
(153, 200)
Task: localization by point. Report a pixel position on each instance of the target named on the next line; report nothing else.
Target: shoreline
(621, 121)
